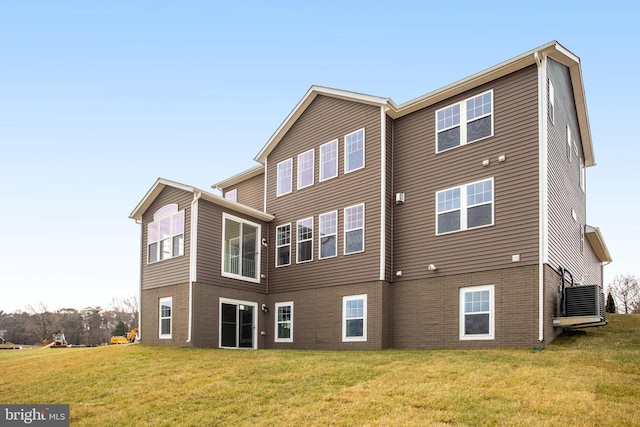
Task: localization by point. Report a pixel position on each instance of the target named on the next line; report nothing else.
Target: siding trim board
(383, 192)
(542, 190)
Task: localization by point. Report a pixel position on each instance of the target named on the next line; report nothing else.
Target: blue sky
(98, 99)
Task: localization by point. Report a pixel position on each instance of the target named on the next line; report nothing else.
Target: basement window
(477, 314)
(164, 330)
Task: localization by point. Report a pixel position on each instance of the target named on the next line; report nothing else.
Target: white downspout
(542, 187)
(383, 192)
(140, 282)
(193, 257)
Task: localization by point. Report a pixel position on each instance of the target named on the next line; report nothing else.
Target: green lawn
(588, 379)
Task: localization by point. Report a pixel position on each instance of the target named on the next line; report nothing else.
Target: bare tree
(626, 291)
(42, 321)
(126, 310)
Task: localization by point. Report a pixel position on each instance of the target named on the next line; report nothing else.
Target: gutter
(193, 255)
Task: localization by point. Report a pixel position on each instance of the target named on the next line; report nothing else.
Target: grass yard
(589, 379)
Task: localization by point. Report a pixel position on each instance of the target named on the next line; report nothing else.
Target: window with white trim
(231, 195)
(283, 245)
(354, 229)
(241, 248)
(464, 122)
(165, 235)
(552, 103)
(328, 242)
(304, 240)
(329, 160)
(354, 151)
(477, 314)
(354, 318)
(284, 322)
(305, 169)
(284, 181)
(465, 207)
(164, 321)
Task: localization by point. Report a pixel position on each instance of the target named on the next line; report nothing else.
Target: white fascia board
(240, 177)
(161, 183)
(300, 108)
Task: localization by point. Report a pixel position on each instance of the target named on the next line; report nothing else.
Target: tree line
(90, 326)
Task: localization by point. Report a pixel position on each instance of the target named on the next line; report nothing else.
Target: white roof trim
(552, 49)
(161, 183)
(597, 243)
(238, 178)
(300, 108)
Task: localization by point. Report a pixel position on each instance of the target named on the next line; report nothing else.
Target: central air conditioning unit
(585, 300)
(581, 306)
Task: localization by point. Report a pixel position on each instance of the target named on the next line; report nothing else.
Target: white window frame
(284, 175)
(305, 163)
(348, 227)
(345, 318)
(165, 244)
(463, 121)
(329, 154)
(231, 195)
(348, 143)
(552, 103)
(278, 322)
(161, 318)
(303, 240)
(491, 312)
(281, 245)
(464, 206)
(323, 234)
(258, 256)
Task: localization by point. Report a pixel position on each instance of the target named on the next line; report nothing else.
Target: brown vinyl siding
(173, 270)
(564, 193)
(325, 120)
(250, 192)
(210, 238)
(421, 173)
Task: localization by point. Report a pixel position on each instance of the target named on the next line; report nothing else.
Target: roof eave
(238, 178)
(307, 99)
(596, 240)
(161, 183)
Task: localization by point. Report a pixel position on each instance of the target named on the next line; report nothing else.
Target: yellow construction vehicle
(129, 338)
(55, 340)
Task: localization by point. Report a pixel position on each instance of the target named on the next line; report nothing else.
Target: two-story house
(447, 221)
